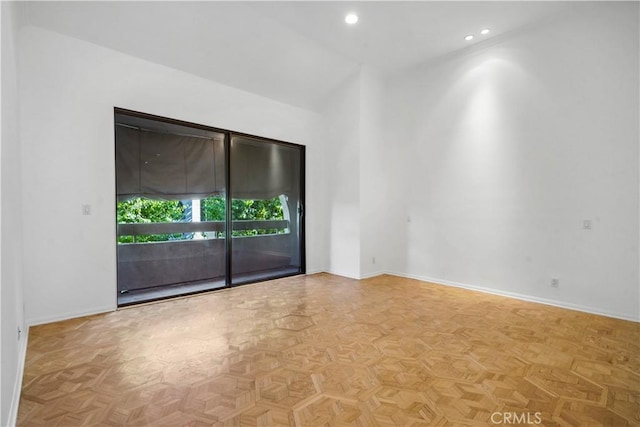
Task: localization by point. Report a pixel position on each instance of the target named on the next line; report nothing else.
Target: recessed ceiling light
(468, 38)
(351, 18)
(485, 31)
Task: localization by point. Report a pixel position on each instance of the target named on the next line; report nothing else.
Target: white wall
(376, 175)
(357, 171)
(68, 89)
(12, 349)
(479, 170)
(358, 175)
(341, 130)
(507, 148)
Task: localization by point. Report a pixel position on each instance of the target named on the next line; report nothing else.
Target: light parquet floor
(326, 350)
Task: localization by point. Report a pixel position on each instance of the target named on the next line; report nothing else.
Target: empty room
(320, 213)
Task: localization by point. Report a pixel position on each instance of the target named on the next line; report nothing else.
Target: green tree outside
(213, 209)
(141, 210)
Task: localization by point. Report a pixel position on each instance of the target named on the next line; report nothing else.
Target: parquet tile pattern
(325, 350)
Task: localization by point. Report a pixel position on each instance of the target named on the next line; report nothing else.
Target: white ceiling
(294, 52)
(392, 35)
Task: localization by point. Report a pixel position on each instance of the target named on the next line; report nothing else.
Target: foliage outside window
(141, 210)
(213, 209)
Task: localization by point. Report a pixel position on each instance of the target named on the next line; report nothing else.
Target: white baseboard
(17, 387)
(310, 272)
(67, 316)
(370, 275)
(523, 297)
(341, 274)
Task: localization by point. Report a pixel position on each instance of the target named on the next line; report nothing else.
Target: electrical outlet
(555, 283)
(586, 224)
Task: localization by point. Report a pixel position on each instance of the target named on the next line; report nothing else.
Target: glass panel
(266, 199)
(170, 182)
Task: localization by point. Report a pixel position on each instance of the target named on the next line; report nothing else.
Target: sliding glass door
(201, 208)
(266, 209)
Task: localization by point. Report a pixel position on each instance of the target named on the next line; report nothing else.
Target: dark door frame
(228, 134)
